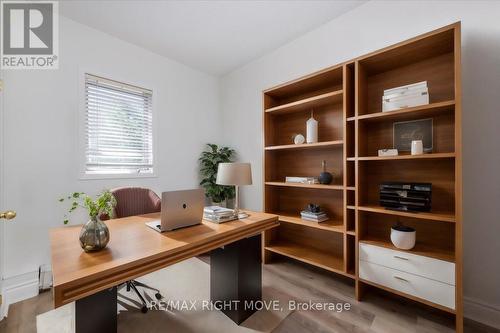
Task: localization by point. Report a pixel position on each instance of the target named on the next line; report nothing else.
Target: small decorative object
(209, 163)
(325, 177)
(387, 152)
(407, 131)
(403, 237)
(313, 208)
(312, 129)
(417, 147)
(299, 139)
(94, 235)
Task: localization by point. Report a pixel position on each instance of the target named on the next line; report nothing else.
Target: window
(118, 128)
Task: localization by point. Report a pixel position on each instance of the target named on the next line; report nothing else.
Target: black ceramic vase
(325, 177)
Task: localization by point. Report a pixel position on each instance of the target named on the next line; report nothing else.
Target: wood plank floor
(286, 280)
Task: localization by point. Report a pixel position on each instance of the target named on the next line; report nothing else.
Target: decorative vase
(94, 235)
(403, 237)
(312, 129)
(325, 177)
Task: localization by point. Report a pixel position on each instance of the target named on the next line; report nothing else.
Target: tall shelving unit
(346, 99)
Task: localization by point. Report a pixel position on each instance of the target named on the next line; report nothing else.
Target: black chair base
(133, 284)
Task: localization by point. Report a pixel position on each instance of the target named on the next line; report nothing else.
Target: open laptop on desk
(179, 209)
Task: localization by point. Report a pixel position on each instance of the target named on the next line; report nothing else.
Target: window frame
(82, 116)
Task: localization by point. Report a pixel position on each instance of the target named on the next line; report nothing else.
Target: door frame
(2, 194)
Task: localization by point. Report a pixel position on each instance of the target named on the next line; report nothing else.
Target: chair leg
(144, 308)
(140, 284)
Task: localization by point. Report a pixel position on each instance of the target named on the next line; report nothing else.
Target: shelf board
(308, 103)
(419, 249)
(422, 110)
(351, 232)
(314, 186)
(436, 216)
(330, 225)
(351, 188)
(351, 207)
(324, 144)
(309, 255)
(405, 157)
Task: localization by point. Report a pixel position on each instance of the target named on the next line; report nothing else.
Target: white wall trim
(481, 312)
(18, 288)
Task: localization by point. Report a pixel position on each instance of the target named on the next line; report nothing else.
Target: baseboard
(483, 313)
(18, 288)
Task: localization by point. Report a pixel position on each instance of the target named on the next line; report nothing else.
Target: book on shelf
(314, 217)
(405, 96)
(302, 180)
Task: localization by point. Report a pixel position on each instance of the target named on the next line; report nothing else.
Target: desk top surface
(135, 249)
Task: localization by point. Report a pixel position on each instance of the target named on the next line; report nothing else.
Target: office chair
(132, 201)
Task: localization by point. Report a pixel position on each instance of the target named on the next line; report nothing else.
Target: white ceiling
(213, 36)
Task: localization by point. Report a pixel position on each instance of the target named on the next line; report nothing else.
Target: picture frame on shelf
(404, 132)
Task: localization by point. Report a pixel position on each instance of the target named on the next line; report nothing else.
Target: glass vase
(94, 235)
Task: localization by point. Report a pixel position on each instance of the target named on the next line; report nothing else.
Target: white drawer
(431, 290)
(440, 270)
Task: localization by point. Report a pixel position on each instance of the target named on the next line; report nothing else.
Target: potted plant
(209, 162)
(94, 235)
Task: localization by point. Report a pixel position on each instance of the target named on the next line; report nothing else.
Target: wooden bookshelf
(308, 103)
(329, 225)
(307, 145)
(315, 186)
(346, 99)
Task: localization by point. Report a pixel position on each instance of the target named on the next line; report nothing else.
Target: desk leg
(97, 312)
(236, 278)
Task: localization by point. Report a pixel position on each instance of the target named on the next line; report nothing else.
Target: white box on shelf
(387, 152)
(406, 89)
(405, 101)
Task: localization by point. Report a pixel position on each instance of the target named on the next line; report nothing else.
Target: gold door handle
(8, 215)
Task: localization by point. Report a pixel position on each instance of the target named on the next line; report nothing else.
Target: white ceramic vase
(403, 237)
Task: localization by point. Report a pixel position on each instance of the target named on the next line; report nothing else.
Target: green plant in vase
(209, 162)
(94, 235)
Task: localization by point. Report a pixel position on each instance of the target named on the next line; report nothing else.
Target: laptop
(179, 209)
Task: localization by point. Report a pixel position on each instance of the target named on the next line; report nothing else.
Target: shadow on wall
(481, 160)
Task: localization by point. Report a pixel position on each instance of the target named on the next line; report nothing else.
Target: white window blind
(118, 127)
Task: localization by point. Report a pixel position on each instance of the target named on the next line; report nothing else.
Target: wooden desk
(135, 250)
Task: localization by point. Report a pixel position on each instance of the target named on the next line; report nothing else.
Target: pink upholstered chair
(132, 201)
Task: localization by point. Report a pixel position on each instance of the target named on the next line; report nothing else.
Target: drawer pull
(402, 258)
(400, 278)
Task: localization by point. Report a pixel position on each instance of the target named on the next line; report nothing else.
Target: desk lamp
(235, 174)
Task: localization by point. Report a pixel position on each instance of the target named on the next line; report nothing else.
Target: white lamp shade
(234, 174)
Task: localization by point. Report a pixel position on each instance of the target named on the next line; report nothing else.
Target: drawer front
(430, 290)
(431, 268)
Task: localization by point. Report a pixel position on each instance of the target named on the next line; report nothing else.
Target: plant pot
(403, 237)
(94, 235)
(220, 204)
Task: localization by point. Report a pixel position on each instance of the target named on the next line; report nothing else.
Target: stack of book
(314, 217)
(302, 180)
(405, 96)
(218, 214)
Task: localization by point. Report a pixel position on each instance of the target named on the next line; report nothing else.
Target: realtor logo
(30, 36)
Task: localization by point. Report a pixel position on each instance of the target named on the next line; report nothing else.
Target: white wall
(40, 133)
(370, 27)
